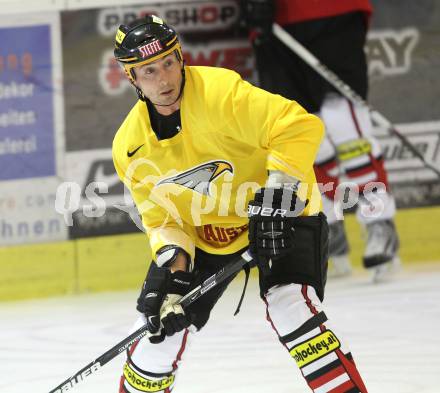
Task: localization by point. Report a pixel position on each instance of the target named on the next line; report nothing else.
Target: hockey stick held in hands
(212, 281)
(345, 89)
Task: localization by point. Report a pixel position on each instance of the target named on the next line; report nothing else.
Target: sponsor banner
(27, 212)
(413, 184)
(402, 49)
(93, 200)
(391, 52)
(400, 161)
(31, 128)
(29, 66)
(98, 94)
(189, 16)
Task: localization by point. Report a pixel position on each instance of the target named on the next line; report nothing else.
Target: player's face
(160, 80)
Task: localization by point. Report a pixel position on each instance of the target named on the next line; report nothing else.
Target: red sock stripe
(343, 388)
(133, 347)
(309, 304)
(122, 380)
(327, 377)
(377, 164)
(349, 366)
(379, 167)
(121, 385)
(361, 171)
(181, 350)
(352, 371)
(323, 177)
(329, 164)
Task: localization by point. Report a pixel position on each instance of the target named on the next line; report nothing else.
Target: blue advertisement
(27, 137)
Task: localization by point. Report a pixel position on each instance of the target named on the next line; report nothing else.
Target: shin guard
(153, 367)
(324, 360)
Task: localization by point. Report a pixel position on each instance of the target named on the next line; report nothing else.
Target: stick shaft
(229, 270)
(345, 89)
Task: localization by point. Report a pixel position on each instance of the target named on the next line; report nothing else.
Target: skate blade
(386, 271)
(340, 267)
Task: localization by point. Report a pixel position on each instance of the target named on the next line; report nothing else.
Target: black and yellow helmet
(143, 41)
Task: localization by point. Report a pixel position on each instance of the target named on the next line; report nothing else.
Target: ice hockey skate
(340, 265)
(380, 255)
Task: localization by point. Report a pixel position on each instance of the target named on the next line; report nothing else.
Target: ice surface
(392, 330)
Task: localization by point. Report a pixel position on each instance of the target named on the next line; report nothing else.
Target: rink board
(120, 262)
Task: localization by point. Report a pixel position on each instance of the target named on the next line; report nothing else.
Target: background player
(335, 32)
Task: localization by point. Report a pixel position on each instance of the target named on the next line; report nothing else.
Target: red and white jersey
(293, 11)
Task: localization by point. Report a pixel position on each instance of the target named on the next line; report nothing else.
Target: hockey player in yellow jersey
(216, 166)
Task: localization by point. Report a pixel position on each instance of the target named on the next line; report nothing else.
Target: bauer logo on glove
(254, 210)
(271, 223)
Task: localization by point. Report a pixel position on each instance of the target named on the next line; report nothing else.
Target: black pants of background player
(338, 42)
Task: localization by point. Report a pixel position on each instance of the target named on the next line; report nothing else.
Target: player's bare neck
(168, 110)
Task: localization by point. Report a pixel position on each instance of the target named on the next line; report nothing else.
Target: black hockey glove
(271, 224)
(257, 14)
(158, 301)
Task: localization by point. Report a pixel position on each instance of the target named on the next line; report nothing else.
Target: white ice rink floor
(392, 329)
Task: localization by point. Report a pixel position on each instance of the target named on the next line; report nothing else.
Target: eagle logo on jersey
(199, 178)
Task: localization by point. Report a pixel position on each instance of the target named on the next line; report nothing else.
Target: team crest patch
(199, 178)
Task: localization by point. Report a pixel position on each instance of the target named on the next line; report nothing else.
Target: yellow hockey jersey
(192, 189)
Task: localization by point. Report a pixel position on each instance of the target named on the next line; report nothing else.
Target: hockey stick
(189, 298)
(345, 89)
